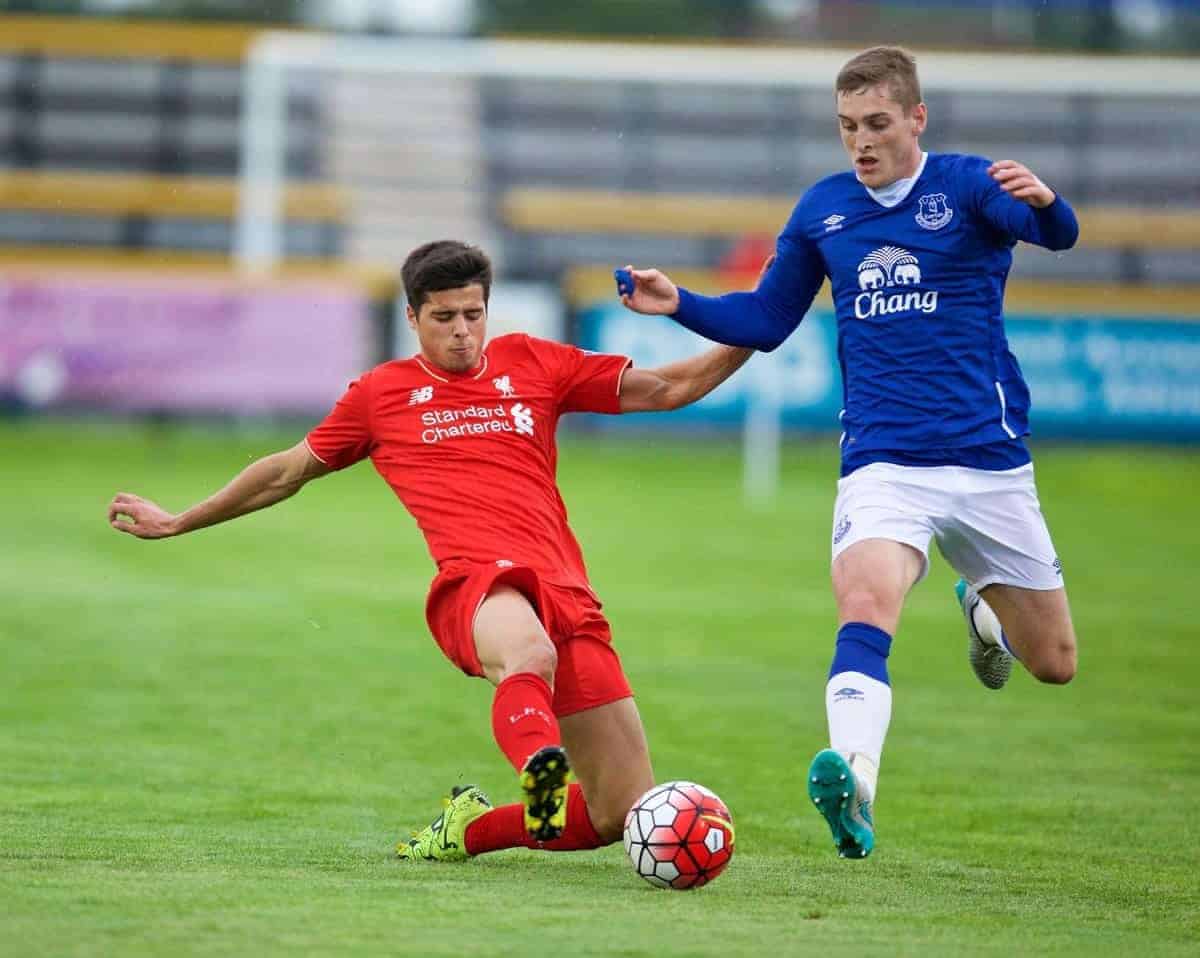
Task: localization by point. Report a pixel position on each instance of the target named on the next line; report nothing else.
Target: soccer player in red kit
(463, 432)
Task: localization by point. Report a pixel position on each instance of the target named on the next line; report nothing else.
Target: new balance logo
(422, 395)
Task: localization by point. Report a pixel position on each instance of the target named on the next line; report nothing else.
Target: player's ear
(412, 317)
(920, 117)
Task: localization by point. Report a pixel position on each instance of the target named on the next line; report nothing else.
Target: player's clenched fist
(1018, 181)
(653, 293)
(139, 517)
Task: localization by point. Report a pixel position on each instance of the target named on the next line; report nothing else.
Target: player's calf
(608, 819)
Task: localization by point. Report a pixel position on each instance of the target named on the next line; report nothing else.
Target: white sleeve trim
(313, 454)
(624, 369)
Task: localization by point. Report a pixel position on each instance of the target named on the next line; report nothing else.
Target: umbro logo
(833, 222)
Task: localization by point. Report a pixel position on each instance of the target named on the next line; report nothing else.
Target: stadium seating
(150, 211)
(125, 136)
(581, 169)
(1125, 244)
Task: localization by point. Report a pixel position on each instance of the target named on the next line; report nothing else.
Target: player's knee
(867, 605)
(537, 655)
(1057, 666)
(1058, 672)
(540, 658)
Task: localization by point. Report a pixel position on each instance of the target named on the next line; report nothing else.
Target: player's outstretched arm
(761, 319)
(683, 383)
(680, 384)
(263, 483)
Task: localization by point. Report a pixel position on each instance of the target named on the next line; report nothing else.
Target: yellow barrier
(125, 39)
(202, 197)
(666, 214)
(380, 281)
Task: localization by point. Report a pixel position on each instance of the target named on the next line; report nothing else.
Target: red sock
(522, 717)
(504, 827)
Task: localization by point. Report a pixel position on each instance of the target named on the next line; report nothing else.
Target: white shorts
(988, 525)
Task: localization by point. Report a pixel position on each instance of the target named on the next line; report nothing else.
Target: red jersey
(472, 455)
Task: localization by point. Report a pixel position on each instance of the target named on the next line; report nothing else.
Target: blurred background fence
(206, 217)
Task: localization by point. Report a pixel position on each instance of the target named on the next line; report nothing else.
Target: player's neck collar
(445, 375)
(896, 193)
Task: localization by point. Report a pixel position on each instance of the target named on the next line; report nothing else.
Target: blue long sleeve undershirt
(764, 318)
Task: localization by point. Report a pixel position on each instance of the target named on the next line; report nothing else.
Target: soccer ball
(679, 835)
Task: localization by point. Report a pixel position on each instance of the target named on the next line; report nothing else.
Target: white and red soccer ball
(679, 835)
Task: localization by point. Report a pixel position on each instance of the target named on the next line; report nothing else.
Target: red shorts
(589, 673)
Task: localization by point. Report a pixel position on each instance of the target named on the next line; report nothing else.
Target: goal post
(762, 434)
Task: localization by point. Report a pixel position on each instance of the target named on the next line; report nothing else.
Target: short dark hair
(893, 66)
(444, 264)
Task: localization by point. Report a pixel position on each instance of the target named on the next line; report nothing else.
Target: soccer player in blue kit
(917, 247)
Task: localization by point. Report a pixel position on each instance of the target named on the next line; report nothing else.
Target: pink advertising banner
(184, 345)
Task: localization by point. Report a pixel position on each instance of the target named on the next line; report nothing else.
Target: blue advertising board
(1091, 376)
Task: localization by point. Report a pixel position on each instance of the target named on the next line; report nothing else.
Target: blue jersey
(918, 288)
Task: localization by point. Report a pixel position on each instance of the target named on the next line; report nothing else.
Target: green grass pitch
(209, 746)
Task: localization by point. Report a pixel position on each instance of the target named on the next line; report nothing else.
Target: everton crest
(933, 213)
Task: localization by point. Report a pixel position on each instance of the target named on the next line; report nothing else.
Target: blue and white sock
(858, 700)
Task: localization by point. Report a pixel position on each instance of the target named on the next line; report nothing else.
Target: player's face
(879, 136)
(451, 327)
